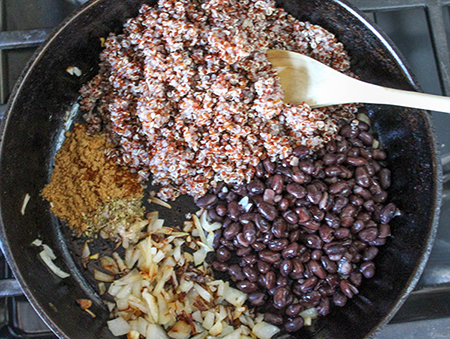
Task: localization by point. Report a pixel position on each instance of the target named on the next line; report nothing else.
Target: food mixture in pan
(292, 202)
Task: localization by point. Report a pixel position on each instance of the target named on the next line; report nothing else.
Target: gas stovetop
(419, 28)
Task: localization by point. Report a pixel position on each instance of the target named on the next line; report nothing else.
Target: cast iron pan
(34, 124)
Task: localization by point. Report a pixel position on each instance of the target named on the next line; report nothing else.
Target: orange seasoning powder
(84, 181)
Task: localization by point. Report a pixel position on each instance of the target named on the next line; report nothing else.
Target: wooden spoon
(304, 79)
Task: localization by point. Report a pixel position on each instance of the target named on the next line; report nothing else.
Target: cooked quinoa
(186, 92)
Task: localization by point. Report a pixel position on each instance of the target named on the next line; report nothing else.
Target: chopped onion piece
(37, 242)
(235, 297)
(199, 256)
(181, 330)
(200, 230)
(156, 332)
(118, 326)
(109, 264)
(133, 335)
(265, 330)
(49, 251)
(25, 203)
(216, 329)
(203, 293)
(101, 288)
(131, 277)
(51, 265)
(236, 334)
(152, 304)
(206, 225)
(100, 276)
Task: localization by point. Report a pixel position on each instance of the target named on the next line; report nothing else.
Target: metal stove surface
(419, 28)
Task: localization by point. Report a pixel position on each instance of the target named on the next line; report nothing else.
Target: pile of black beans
(304, 232)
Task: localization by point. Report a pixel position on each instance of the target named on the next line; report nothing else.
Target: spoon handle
(374, 94)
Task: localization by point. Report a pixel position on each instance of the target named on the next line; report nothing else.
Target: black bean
(273, 318)
(298, 176)
(309, 284)
(269, 195)
(339, 299)
(346, 289)
(286, 267)
(291, 251)
(370, 253)
(362, 176)
(221, 210)
(324, 307)
(208, 201)
(362, 192)
(353, 152)
(231, 231)
(366, 138)
(385, 231)
(249, 231)
(241, 241)
(282, 281)
(268, 211)
(317, 269)
(387, 213)
(294, 324)
(233, 210)
(247, 286)
(378, 242)
(358, 226)
(306, 166)
(223, 254)
(249, 259)
(297, 269)
(259, 246)
(338, 187)
(349, 132)
(296, 190)
(339, 204)
(342, 233)
(313, 241)
(291, 217)
(294, 310)
(262, 224)
(269, 256)
(333, 171)
(329, 265)
(263, 266)
(250, 273)
(220, 266)
(235, 272)
(280, 297)
(270, 280)
(283, 205)
(326, 233)
(301, 151)
(278, 245)
(367, 269)
(257, 298)
(279, 228)
(314, 195)
(243, 251)
(356, 278)
(357, 161)
(316, 254)
(277, 184)
(368, 234)
(255, 186)
(329, 159)
(379, 154)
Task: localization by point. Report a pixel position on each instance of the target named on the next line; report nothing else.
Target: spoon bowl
(305, 79)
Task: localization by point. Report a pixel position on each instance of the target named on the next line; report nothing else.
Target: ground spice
(83, 181)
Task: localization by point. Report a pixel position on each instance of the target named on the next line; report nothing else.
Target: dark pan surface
(34, 123)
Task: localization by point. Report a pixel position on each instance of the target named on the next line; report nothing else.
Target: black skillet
(34, 122)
